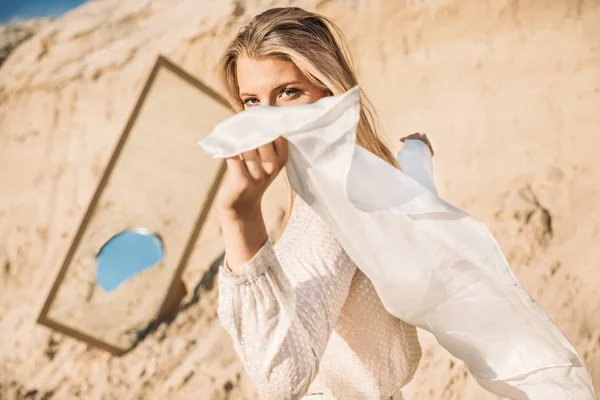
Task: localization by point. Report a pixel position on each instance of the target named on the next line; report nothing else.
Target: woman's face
(274, 83)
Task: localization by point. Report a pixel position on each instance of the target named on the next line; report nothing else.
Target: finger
(419, 136)
(236, 166)
(412, 136)
(253, 164)
(281, 148)
(427, 142)
(268, 157)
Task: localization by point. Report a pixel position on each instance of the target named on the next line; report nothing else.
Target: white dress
(307, 323)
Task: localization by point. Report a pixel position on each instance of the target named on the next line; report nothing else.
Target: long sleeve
(281, 307)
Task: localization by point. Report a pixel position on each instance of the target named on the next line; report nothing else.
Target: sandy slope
(509, 91)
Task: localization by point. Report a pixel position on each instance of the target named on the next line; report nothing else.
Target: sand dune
(508, 91)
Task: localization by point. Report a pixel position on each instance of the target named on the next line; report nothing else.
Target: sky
(125, 255)
(20, 10)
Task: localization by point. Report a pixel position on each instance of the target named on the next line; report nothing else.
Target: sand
(508, 92)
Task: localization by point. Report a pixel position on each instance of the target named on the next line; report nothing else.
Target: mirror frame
(176, 289)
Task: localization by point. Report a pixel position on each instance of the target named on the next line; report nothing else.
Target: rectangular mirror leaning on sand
(154, 196)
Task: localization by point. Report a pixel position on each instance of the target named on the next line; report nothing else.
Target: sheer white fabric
(431, 264)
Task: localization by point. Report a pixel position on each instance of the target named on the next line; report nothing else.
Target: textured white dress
(307, 323)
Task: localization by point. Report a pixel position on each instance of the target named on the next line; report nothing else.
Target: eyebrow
(275, 88)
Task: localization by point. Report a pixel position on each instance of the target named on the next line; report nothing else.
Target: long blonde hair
(317, 47)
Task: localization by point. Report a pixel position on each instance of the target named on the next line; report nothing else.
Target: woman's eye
(251, 101)
(289, 92)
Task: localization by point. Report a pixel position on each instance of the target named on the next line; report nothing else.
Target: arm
(281, 320)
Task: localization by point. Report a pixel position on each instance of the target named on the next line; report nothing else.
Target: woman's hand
(249, 176)
(419, 136)
(239, 199)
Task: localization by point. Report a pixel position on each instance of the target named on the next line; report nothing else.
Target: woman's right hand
(248, 178)
(419, 136)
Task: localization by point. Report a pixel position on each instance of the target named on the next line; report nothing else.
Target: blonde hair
(317, 47)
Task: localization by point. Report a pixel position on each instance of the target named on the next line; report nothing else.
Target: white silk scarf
(432, 265)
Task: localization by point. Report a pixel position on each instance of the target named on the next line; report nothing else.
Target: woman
(304, 320)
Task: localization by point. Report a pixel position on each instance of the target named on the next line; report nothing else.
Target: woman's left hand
(419, 136)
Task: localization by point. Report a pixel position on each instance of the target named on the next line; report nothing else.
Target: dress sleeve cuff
(260, 263)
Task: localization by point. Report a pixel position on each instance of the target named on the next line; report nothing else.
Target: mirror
(117, 278)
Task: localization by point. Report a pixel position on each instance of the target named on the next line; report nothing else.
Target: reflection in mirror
(126, 254)
(107, 289)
